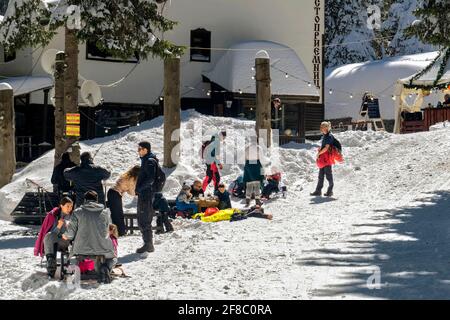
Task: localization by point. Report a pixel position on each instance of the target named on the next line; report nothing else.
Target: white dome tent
(434, 77)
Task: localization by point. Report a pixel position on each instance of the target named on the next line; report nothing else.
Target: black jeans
(116, 207)
(328, 173)
(145, 215)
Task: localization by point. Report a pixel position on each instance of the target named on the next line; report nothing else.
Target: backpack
(204, 145)
(160, 178)
(337, 144)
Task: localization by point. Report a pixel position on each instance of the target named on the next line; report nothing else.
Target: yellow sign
(72, 131)
(73, 118)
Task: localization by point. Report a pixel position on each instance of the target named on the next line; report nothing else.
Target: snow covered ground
(390, 214)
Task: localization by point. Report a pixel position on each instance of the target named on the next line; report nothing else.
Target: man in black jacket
(60, 184)
(87, 177)
(145, 193)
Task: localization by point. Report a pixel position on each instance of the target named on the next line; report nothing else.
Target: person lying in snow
(161, 205)
(89, 231)
(272, 186)
(50, 236)
(183, 200)
(223, 196)
(254, 212)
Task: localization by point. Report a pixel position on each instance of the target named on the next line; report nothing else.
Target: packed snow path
(390, 214)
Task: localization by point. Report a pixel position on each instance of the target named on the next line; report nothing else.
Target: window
(94, 53)
(201, 45)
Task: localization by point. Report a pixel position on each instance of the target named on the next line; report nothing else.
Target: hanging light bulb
(253, 77)
(253, 68)
(287, 76)
(138, 124)
(394, 98)
(208, 93)
(309, 84)
(106, 130)
(161, 98)
(240, 91)
(351, 96)
(331, 91)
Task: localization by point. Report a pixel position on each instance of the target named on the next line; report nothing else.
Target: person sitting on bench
(50, 236)
(89, 231)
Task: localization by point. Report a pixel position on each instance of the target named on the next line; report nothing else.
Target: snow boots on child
(147, 247)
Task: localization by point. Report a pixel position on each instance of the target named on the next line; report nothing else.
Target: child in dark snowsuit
(273, 185)
(224, 197)
(161, 205)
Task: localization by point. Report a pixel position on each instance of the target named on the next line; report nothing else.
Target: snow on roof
(378, 76)
(24, 85)
(234, 72)
(428, 78)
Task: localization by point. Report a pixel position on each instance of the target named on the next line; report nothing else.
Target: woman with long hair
(125, 184)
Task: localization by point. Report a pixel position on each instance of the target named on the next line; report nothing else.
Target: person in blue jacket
(224, 197)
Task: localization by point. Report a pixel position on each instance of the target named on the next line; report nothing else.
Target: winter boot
(329, 193)
(104, 275)
(159, 229)
(147, 247)
(316, 193)
(51, 265)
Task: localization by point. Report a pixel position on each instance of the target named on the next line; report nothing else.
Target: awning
(233, 71)
(437, 73)
(25, 85)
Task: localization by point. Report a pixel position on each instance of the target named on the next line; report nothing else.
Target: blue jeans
(183, 206)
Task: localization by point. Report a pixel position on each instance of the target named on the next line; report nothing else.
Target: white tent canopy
(24, 85)
(414, 85)
(233, 71)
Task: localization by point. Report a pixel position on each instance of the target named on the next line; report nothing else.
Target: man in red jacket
(324, 161)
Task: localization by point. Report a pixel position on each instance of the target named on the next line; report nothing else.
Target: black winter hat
(145, 145)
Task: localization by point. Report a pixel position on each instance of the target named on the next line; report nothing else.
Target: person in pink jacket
(50, 235)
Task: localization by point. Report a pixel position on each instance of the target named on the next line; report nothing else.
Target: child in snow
(114, 236)
(197, 190)
(273, 185)
(161, 205)
(325, 160)
(183, 200)
(254, 212)
(50, 236)
(253, 178)
(223, 196)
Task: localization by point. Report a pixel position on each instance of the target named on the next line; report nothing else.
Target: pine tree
(348, 38)
(433, 24)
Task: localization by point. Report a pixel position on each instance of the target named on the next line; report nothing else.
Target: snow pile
(440, 125)
(378, 77)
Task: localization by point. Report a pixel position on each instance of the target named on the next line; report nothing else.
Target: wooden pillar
(172, 107)
(45, 117)
(71, 88)
(7, 135)
(59, 107)
(263, 96)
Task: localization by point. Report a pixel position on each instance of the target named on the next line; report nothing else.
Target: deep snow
(390, 212)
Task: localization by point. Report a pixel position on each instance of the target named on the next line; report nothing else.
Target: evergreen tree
(433, 24)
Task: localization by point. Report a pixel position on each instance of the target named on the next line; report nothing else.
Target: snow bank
(440, 125)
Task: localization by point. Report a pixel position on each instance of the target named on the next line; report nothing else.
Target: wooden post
(71, 87)
(172, 106)
(263, 97)
(60, 145)
(7, 135)
(45, 116)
